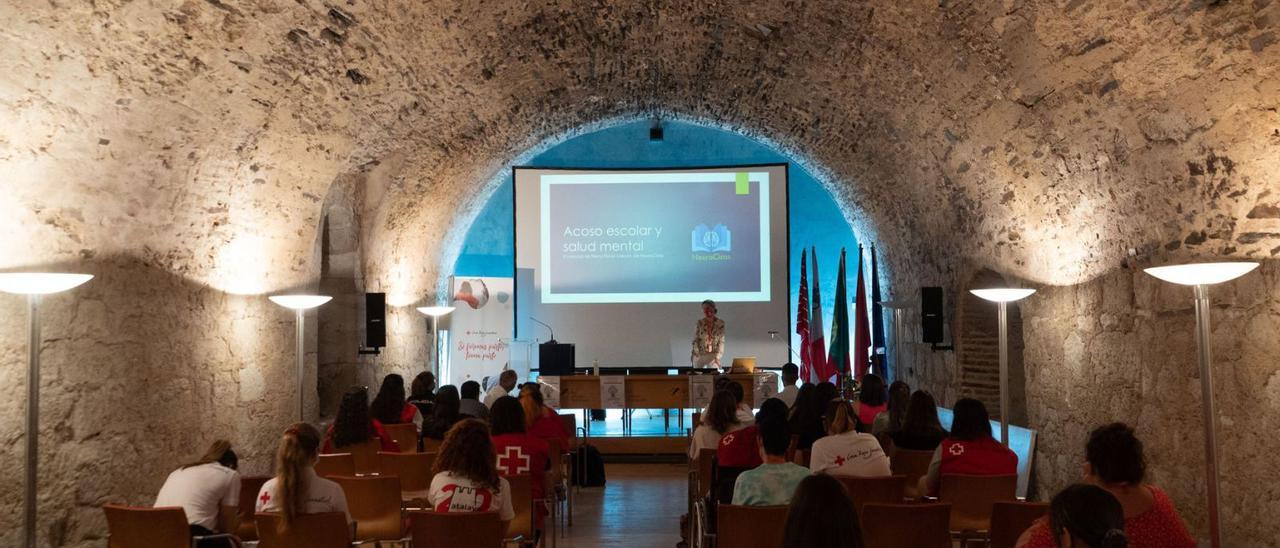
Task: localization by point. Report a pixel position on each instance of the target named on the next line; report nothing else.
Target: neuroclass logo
(711, 240)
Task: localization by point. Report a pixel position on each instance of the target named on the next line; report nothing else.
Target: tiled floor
(639, 507)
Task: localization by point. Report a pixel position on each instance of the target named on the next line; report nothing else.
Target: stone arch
(978, 351)
(340, 330)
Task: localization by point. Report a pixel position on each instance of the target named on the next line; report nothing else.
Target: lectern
(555, 359)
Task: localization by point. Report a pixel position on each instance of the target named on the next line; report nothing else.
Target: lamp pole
(300, 304)
(1002, 296)
(435, 312)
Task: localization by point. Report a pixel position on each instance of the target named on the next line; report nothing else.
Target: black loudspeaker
(655, 132)
(931, 314)
(555, 359)
(375, 320)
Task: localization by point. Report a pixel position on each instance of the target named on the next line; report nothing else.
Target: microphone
(543, 324)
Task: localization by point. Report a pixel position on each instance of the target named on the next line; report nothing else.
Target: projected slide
(655, 237)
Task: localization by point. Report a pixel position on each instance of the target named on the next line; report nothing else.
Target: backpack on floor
(588, 467)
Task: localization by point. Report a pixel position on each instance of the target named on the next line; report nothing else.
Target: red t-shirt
(738, 449)
(389, 445)
(406, 414)
(524, 454)
(980, 457)
(1159, 527)
(867, 413)
(548, 427)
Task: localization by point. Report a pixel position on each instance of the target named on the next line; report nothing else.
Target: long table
(641, 392)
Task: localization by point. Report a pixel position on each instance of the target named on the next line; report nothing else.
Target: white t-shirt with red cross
(849, 454)
(319, 495)
(453, 493)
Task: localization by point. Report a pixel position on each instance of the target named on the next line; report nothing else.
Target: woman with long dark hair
(872, 400)
(542, 421)
(821, 516)
(517, 451)
(296, 489)
(444, 414)
(846, 451)
(891, 419)
(422, 392)
(921, 430)
(466, 475)
(970, 449)
(719, 419)
(806, 415)
(1087, 516)
(208, 489)
(354, 426)
(390, 407)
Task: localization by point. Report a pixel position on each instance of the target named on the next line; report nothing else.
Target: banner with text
(481, 329)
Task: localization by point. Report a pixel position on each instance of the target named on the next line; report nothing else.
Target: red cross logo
(728, 440)
(957, 450)
(839, 461)
(514, 461)
(264, 498)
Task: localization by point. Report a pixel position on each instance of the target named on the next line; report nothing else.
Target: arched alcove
(978, 349)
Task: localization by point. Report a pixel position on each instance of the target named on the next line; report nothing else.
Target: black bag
(588, 467)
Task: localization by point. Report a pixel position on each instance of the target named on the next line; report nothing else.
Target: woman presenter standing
(708, 339)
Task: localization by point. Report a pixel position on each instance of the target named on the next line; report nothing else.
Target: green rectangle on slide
(743, 185)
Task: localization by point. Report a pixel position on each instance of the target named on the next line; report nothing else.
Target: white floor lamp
(896, 308)
(300, 304)
(1201, 276)
(35, 285)
(1003, 296)
(435, 312)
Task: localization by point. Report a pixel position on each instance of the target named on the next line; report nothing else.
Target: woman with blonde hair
(845, 451)
(296, 489)
(208, 490)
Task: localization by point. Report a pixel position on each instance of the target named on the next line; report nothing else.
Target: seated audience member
(821, 516)
(921, 430)
(470, 405)
(891, 419)
(390, 406)
(1085, 516)
(826, 391)
(790, 374)
(208, 490)
(541, 421)
(466, 477)
(970, 449)
(772, 408)
(1114, 461)
(719, 419)
(845, 451)
(806, 416)
(804, 392)
(422, 393)
(517, 451)
(354, 426)
(745, 416)
(444, 415)
(773, 482)
(506, 383)
(296, 489)
(872, 400)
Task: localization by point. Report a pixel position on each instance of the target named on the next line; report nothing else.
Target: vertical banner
(765, 387)
(550, 390)
(613, 392)
(701, 388)
(481, 329)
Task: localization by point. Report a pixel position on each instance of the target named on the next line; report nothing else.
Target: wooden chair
(521, 528)
(249, 487)
(406, 435)
(366, 456)
(413, 469)
(882, 490)
(336, 464)
(750, 526)
(327, 530)
(706, 457)
(146, 527)
(374, 503)
(906, 525)
(972, 498)
(1010, 519)
(793, 447)
(450, 530)
(430, 445)
(913, 465)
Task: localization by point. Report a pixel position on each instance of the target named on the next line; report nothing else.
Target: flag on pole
(862, 332)
(838, 360)
(879, 352)
(817, 345)
(802, 323)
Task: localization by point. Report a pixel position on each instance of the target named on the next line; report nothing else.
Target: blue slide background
(667, 263)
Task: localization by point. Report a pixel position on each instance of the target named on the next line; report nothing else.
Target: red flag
(802, 323)
(817, 344)
(862, 333)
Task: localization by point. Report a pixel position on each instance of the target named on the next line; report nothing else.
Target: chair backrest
(522, 503)
(249, 487)
(705, 459)
(1010, 518)
(792, 447)
(336, 464)
(327, 530)
(430, 445)
(413, 469)
(906, 525)
(750, 526)
(374, 503)
(143, 527)
(365, 455)
(972, 497)
(912, 464)
(884, 490)
(449, 530)
(405, 434)
(570, 423)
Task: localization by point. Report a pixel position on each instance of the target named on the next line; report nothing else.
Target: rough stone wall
(183, 151)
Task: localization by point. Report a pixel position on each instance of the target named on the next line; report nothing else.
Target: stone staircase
(978, 352)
